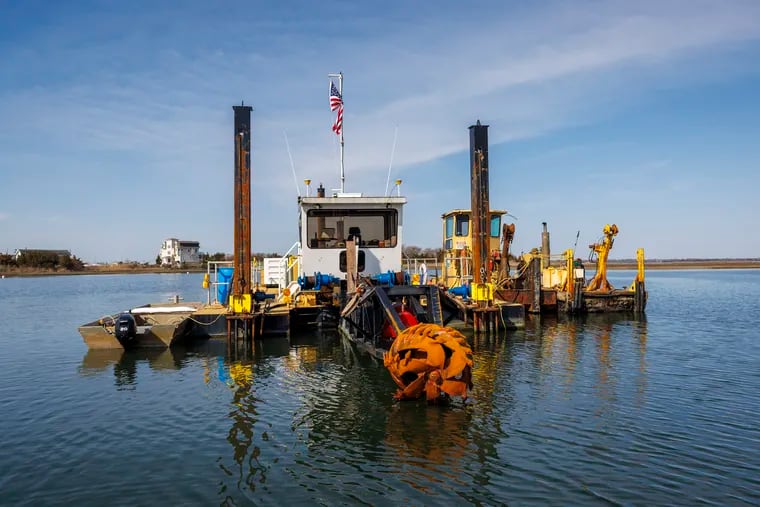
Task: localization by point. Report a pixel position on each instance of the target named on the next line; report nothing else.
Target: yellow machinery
(599, 283)
(507, 235)
(639, 269)
(458, 246)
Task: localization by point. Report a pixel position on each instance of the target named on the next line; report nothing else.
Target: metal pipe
(545, 248)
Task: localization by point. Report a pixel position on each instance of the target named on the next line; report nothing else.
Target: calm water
(664, 410)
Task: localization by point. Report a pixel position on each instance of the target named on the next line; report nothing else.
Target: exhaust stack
(545, 252)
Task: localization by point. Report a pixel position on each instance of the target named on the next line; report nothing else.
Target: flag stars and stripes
(335, 99)
(336, 102)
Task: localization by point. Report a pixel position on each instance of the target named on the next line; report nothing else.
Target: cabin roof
(352, 201)
(467, 212)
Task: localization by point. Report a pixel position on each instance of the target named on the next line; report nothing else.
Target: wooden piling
(351, 266)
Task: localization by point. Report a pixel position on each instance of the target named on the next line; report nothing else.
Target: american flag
(336, 102)
(335, 99)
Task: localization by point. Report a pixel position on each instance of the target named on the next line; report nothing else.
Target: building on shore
(175, 252)
(31, 252)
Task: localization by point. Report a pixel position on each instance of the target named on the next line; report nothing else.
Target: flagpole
(339, 75)
(342, 169)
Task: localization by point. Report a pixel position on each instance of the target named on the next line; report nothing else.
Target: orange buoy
(430, 359)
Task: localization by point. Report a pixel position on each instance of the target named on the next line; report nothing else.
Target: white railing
(287, 268)
(428, 268)
(462, 267)
(556, 260)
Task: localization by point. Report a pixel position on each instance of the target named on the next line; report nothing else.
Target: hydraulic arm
(599, 283)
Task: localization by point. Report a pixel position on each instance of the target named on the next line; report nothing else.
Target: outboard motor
(125, 328)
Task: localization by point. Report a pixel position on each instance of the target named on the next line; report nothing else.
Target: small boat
(153, 325)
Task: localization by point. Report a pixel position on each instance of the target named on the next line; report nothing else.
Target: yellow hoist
(599, 283)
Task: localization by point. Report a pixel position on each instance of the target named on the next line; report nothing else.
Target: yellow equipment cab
(457, 245)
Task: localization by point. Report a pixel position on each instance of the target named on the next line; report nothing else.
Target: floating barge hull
(597, 302)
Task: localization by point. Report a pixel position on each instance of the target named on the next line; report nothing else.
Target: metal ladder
(434, 305)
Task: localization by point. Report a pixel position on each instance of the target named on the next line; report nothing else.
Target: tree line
(43, 260)
(416, 252)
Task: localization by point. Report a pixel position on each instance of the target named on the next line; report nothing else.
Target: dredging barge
(348, 257)
(347, 271)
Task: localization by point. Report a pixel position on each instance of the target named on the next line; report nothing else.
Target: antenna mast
(393, 151)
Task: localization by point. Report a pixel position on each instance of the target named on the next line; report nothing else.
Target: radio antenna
(393, 152)
(292, 165)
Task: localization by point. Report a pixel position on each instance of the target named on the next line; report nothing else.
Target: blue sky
(116, 119)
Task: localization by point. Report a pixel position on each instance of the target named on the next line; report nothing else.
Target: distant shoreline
(650, 265)
(98, 271)
(686, 264)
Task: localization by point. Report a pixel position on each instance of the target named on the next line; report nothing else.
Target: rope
(105, 326)
(204, 323)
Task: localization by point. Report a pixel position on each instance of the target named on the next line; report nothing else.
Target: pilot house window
(463, 225)
(372, 228)
(495, 226)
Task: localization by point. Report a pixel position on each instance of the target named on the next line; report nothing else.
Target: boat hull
(601, 302)
(158, 326)
(97, 336)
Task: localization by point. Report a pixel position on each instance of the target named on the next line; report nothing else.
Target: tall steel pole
(480, 211)
(242, 202)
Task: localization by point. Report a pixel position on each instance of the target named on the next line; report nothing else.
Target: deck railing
(427, 269)
(288, 268)
(212, 270)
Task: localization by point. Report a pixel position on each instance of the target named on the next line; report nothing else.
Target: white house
(175, 252)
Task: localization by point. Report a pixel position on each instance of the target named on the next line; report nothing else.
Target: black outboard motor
(125, 328)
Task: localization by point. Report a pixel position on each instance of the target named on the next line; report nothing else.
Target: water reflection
(259, 415)
(429, 444)
(493, 391)
(243, 368)
(595, 345)
(294, 415)
(96, 362)
(125, 363)
(248, 469)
